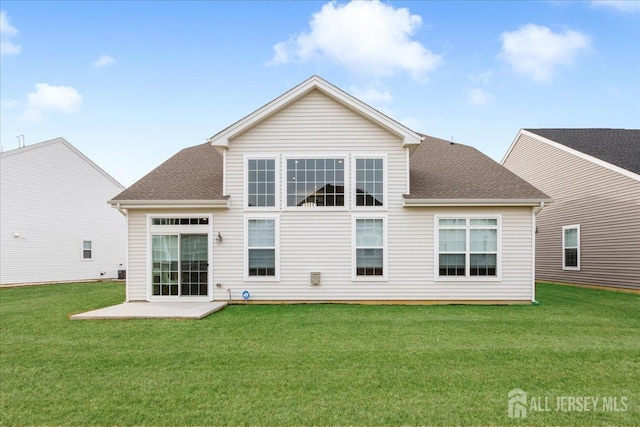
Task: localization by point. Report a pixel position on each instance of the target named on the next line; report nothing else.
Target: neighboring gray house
(591, 233)
(55, 223)
(316, 196)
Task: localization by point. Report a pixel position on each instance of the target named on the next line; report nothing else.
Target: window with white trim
(467, 247)
(261, 247)
(261, 182)
(369, 182)
(369, 248)
(315, 182)
(571, 247)
(179, 257)
(87, 249)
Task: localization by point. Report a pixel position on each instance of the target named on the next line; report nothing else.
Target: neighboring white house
(316, 196)
(56, 225)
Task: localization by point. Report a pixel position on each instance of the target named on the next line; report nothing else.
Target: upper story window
(571, 247)
(261, 181)
(315, 182)
(369, 182)
(467, 247)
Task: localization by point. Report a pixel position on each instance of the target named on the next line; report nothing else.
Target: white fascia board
(513, 143)
(408, 136)
(473, 202)
(173, 204)
(576, 153)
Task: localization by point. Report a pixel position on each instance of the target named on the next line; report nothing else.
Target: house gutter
(539, 208)
(169, 204)
(472, 202)
(122, 211)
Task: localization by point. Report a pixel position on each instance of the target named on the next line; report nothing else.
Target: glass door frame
(178, 230)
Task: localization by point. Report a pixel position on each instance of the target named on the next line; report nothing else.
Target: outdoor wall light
(219, 238)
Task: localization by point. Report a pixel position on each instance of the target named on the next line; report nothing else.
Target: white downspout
(123, 212)
(539, 208)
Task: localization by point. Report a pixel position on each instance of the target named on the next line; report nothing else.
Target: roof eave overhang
(170, 204)
(472, 202)
(409, 138)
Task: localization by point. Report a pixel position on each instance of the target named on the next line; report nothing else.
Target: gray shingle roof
(439, 170)
(620, 147)
(194, 173)
(442, 170)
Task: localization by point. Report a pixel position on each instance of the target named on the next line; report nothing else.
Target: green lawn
(316, 364)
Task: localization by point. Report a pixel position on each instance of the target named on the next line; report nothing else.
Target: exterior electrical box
(316, 278)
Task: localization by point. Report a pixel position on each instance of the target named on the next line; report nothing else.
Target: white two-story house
(317, 197)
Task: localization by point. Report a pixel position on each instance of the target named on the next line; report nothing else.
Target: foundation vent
(316, 278)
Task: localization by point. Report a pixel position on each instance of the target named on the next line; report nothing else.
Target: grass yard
(317, 364)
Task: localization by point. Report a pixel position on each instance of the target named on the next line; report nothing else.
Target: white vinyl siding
(52, 198)
(321, 240)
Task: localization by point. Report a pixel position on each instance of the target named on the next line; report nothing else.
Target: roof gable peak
(315, 82)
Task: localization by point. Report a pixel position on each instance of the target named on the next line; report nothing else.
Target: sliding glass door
(180, 264)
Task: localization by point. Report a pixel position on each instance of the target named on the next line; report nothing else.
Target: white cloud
(479, 97)
(7, 47)
(371, 95)
(48, 98)
(618, 5)
(483, 78)
(103, 61)
(536, 51)
(364, 36)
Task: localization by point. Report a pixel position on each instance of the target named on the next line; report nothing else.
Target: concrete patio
(153, 310)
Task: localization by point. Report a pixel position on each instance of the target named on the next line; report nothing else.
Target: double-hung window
(467, 247)
(315, 182)
(87, 249)
(370, 259)
(571, 247)
(261, 182)
(262, 250)
(369, 182)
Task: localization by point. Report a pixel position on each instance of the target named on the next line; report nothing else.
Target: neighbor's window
(261, 182)
(87, 249)
(315, 182)
(369, 247)
(369, 182)
(262, 247)
(571, 247)
(467, 247)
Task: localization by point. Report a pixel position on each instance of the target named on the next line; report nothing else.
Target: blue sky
(131, 83)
